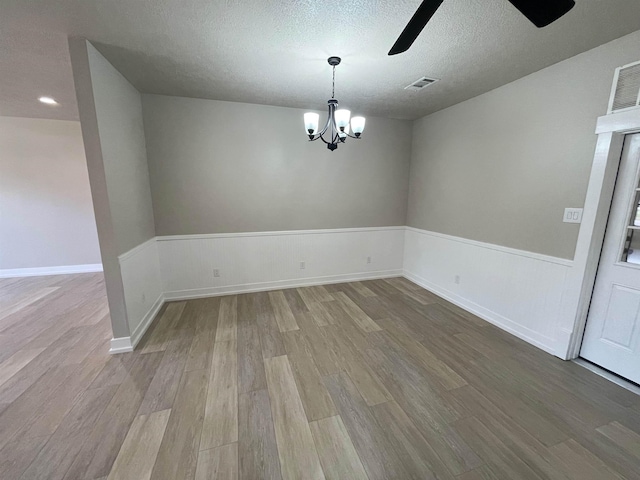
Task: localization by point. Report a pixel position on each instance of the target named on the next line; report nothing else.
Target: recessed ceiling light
(48, 100)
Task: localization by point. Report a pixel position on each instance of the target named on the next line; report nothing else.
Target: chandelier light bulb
(357, 124)
(311, 122)
(344, 133)
(342, 118)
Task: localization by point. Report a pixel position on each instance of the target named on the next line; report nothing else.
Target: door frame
(611, 130)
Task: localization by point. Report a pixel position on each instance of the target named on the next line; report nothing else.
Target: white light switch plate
(572, 215)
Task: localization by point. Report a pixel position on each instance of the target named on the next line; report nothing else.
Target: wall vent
(421, 83)
(625, 92)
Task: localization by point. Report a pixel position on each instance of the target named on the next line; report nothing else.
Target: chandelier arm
(322, 138)
(326, 126)
(332, 118)
(353, 136)
(318, 137)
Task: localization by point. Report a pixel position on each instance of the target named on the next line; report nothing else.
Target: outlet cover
(572, 215)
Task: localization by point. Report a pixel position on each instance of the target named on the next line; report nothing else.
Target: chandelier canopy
(339, 121)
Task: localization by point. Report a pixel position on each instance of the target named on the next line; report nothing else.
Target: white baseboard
(127, 344)
(121, 345)
(146, 322)
(43, 271)
(492, 317)
(266, 286)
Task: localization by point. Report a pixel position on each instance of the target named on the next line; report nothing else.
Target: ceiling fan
(540, 12)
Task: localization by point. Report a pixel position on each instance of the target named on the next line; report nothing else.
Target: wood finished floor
(377, 379)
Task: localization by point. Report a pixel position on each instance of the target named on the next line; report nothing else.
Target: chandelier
(338, 122)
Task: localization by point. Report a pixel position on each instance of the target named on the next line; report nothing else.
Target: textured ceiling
(274, 52)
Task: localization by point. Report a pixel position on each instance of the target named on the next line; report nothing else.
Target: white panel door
(612, 335)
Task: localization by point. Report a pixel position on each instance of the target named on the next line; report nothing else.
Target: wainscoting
(143, 293)
(521, 292)
(248, 262)
(185, 266)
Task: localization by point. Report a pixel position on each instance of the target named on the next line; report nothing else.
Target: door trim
(611, 131)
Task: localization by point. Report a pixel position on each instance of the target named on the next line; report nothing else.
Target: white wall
(267, 260)
(46, 214)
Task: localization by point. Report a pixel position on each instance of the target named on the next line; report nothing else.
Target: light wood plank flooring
(377, 379)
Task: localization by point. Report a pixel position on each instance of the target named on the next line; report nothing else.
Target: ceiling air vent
(625, 92)
(421, 83)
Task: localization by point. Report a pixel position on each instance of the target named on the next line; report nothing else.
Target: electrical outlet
(368, 259)
(302, 265)
(456, 279)
(216, 272)
(572, 215)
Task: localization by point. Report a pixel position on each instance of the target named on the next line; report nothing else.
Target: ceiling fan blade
(424, 13)
(543, 12)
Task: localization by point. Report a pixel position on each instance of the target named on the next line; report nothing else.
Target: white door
(612, 335)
